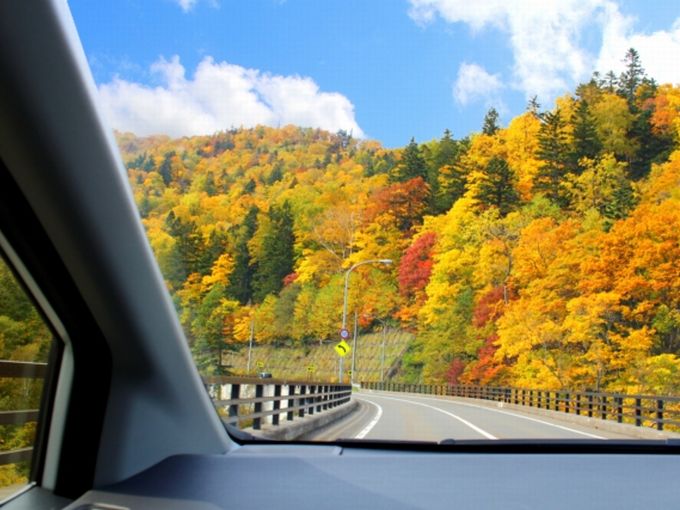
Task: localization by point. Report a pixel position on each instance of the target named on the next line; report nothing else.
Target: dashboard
(304, 476)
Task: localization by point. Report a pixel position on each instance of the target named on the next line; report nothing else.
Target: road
(402, 416)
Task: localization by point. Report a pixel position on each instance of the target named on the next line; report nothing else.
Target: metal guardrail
(640, 410)
(254, 400)
(19, 370)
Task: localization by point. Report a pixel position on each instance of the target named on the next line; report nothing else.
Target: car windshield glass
(413, 220)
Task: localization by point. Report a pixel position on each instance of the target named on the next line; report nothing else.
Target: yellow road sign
(260, 364)
(342, 348)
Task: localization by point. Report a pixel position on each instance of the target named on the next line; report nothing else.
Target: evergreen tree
(447, 150)
(210, 187)
(610, 83)
(632, 77)
(250, 186)
(148, 164)
(166, 168)
(209, 251)
(496, 188)
(412, 164)
(653, 147)
(490, 126)
(276, 260)
(453, 180)
(241, 278)
(186, 253)
(623, 200)
(586, 141)
(276, 173)
(650, 146)
(533, 106)
(441, 171)
(554, 150)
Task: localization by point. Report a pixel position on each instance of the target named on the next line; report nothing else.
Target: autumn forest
(544, 253)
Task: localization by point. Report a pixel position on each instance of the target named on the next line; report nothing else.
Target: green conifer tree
(441, 171)
(586, 141)
(276, 261)
(490, 126)
(411, 165)
(554, 150)
(497, 186)
(632, 77)
(241, 277)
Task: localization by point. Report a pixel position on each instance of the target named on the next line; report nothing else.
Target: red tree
(416, 265)
(405, 202)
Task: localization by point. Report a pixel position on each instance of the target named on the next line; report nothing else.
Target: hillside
(541, 254)
(319, 361)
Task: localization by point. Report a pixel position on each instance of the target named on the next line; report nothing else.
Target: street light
(383, 322)
(344, 302)
(382, 351)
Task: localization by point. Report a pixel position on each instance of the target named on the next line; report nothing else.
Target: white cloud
(659, 51)
(186, 5)
(544, 36)
(220, 96)
(474, 82)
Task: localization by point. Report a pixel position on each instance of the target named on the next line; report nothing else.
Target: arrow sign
(342, 348)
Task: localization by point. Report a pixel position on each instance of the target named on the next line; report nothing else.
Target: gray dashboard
(258, 476)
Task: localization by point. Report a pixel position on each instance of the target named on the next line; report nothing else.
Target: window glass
(476, 202)
(24, 347)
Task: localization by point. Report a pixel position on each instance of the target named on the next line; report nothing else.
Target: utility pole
(354, 348)
(344, 301)
(382, 354)
(250, 342)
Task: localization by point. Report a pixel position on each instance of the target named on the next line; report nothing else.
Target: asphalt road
(399, 416)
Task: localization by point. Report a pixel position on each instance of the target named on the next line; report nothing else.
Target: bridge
(323, 411)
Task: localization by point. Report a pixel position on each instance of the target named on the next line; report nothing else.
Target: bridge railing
(252, 401)
(22, 372)
(660, 412)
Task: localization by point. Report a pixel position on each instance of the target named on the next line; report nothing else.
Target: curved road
(403, 416)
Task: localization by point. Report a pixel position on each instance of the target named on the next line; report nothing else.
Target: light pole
(382, 351)
(250, 342)
(344, 301)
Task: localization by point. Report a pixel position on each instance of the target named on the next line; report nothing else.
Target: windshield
(424, 220)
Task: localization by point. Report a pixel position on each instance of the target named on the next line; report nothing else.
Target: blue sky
(385, 69)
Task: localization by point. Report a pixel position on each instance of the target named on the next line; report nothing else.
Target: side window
(25, 341)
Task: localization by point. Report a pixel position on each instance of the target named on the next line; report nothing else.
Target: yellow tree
(613, 122)
(521, 140)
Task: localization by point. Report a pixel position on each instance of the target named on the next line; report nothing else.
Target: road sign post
(342, 348)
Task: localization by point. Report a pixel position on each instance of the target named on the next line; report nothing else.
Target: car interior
(126, 421)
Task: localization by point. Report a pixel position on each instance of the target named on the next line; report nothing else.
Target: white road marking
(569, 429)
(462, 420)
(372, 424)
